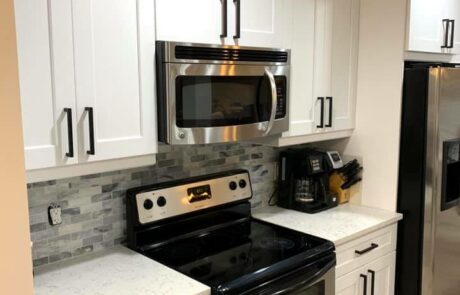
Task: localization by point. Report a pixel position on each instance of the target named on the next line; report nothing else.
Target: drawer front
(365, 249)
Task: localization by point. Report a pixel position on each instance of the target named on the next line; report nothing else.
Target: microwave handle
(271, 79)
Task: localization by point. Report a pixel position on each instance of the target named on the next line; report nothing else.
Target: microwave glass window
(213, 101)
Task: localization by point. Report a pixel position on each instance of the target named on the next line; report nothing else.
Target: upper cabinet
(324, 68)
(262, 23)
(431, 26)
(199, 21)
(114, 73)
(87, 80)
(46, 82)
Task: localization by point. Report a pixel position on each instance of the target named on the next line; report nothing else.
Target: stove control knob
(242, 183)
(161, 201)
(232, 185)
(148, 204)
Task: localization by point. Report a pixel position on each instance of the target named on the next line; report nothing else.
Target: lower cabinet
(366, 265)
(375, 278)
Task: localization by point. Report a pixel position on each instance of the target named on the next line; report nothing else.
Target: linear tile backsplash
(93, 206)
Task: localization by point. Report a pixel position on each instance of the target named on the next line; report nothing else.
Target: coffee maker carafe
(304, 181)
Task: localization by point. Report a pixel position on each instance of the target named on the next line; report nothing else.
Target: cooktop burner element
(221, 246)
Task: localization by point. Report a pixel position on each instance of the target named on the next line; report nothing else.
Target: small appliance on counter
(203, 228)
(344, 178)
(304, 180)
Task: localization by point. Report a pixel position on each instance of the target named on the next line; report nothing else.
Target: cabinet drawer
(365, 249)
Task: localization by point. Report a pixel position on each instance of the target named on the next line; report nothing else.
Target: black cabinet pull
(91, 150)
(321, 124)
(446, 25)
(365, 283)
(68, 112)
(452, 32)
(224, 18)
(238, 19)
(330, 111)
(370, 248)
(372, 281)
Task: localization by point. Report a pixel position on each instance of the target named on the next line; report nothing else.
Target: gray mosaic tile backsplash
(93, 206)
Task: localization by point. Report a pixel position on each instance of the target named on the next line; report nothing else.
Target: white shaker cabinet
(336, 61)
(114, 73)
(263, 23)
(367, 264)
(260, 23)
(432, 26)
(82, 57)
(199, 21)
(46, 82)
(323, 70)
(375, 278)
(301, 95)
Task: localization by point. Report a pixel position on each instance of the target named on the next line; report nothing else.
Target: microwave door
(211, 103)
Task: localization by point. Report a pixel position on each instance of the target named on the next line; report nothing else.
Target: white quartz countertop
(339, 225)
(118, 271)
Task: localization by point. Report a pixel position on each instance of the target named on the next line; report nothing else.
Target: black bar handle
(321, 124)
(365, 283)
(452, 32)
(238, 19)
(330, 98)
(370, 248)
(372, 281)
(446, 25)
(224, 18)
(91, 150)
(68, 112)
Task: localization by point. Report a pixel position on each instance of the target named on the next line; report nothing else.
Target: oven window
(213, 101)
(317, 289)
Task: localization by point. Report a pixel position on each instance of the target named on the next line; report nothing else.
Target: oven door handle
(271, 79)
(293, 283)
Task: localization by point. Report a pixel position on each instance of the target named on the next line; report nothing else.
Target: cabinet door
(45, 56)
(263, 23)
(114, 68)
(336, 60)
(301, 94)
(351, 283)
(426, 26)
(198, 21)
(381, 273)
(378, 275)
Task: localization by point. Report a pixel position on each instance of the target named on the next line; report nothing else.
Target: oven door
(212, 103)
(317, 278)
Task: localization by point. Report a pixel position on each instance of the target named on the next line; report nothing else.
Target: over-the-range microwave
(214, 93)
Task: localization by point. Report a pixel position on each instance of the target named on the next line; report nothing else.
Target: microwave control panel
(281, 86)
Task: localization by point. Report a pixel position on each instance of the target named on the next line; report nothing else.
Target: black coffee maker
(303, 183)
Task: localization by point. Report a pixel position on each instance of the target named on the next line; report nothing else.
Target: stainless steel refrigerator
(428, 258)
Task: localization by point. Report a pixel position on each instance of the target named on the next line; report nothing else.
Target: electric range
(202, 227)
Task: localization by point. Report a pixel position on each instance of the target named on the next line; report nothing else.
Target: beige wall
(380, 75)
(15, 255)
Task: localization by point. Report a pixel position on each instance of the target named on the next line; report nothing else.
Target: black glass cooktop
(249, 250)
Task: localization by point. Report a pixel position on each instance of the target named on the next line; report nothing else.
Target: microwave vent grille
(230, 54)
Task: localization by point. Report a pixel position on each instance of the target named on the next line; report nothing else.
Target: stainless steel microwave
(214, 93)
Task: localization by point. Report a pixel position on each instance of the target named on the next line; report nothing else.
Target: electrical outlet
(54, 214)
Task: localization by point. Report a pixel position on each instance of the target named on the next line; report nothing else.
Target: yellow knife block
(335, 183)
